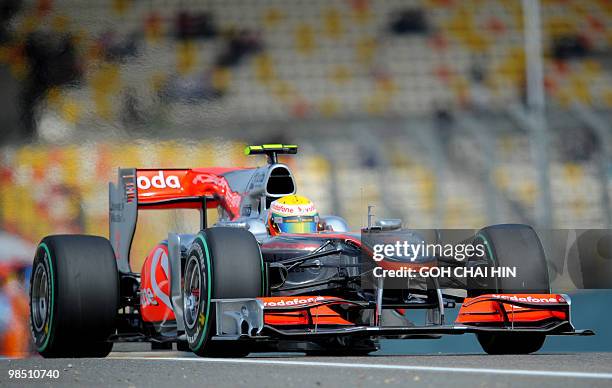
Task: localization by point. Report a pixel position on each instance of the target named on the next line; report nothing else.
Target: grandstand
(320, 58)
(407, 105)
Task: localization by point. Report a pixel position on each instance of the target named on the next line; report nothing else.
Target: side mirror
(389, 224)
(335, 224)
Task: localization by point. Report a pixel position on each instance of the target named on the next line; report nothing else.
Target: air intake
(280, 182)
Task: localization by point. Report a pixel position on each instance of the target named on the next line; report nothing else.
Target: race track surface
(131, 368)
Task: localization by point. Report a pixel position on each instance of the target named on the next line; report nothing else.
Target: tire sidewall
(231, 265)
(512, 343)
(538, 280)
(198, 335)
(43, 338)
(82, 296)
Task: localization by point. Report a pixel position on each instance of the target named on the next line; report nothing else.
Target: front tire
(510, 343)
(74, 296)
(519, 246)
(222, 263)
(344, 347)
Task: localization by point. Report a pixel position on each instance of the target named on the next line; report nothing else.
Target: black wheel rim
(40, 297)
(194, 287)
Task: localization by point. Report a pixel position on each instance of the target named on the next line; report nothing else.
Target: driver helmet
(292, 214)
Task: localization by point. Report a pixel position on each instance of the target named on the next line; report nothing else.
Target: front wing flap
(312, 317)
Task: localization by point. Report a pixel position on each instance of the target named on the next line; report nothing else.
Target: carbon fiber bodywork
(328, 264)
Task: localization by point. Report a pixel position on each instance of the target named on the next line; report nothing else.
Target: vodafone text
(158, 181)
(529, 298)
(293, 301)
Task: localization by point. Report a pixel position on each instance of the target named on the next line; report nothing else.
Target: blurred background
(445, 113)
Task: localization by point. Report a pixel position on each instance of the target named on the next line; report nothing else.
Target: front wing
(312, 317)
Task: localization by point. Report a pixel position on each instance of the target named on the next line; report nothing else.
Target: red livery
(275, 275)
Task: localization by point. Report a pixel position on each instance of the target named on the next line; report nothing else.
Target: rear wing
(162, 189)
(122, 216)
(197, 188)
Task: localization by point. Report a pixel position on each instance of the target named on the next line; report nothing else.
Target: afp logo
(158, 181)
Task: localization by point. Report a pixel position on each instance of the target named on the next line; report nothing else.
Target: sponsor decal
(219, 186)
(160, 259)
(158, 181)
(147, 298)
(306, 209)
(200, 179)
(527, 299)
(293, 302)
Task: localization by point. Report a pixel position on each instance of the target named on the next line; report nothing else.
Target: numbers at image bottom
(33, 373)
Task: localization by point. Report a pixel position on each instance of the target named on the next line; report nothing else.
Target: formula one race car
(264, 279)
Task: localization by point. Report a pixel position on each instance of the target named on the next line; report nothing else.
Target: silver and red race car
(234, 288)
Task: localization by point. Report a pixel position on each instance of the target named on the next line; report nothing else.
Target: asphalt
(129, 368)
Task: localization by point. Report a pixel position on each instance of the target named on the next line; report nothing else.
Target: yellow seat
(272, 17)
(332, 23)
(304, 39)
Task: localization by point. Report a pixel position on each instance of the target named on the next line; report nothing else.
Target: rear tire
(513, 245)
(222, 263)
(74, 296)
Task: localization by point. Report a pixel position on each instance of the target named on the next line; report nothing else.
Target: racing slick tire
(343, 347)
(221, 263)
(510, 343)
(514, 245)
(74, 296)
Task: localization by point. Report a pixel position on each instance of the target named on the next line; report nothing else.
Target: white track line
(519, 372)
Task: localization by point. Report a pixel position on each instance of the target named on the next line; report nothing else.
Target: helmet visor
(297, 224)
